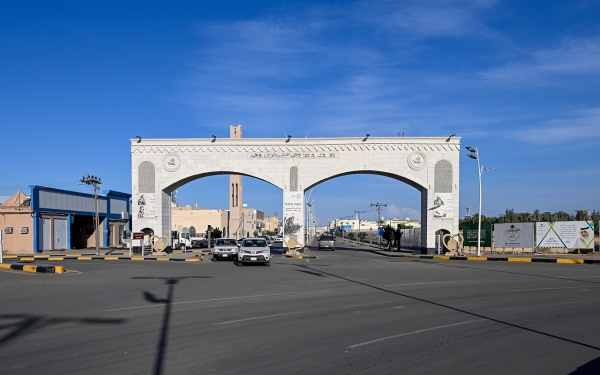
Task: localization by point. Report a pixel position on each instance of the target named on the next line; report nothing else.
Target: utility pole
(94, 181)
(358, 217)
(379, 205)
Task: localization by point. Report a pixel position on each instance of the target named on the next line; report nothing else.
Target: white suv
(254, 250)
(225, 248)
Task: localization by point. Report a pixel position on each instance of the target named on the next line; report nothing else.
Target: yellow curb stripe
(477, 258)
(4, 265)
(41, 256)
(441, 257)
(163, 259)
(111, 258)
(56, 259)
(29, 268)
(59, 269)
(138, 258)
(84, 258)
(27, 258)
(10, 257)
(521, 260)
(570, 261)
(193, 260)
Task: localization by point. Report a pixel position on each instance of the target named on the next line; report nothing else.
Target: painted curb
(301, 256)
(108, 258)
(33, 268)
(493, 259)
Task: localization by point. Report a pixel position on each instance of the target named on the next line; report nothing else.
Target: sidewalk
(193, 255)
(524, 258)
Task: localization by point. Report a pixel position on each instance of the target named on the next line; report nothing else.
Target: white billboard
(565, 234)
(444, 205)
(519, 235)
(292, 213)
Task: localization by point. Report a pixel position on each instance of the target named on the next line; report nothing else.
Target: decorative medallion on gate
(171, 162)
(417, 160)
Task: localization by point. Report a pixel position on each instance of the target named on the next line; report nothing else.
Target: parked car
(254, 250)
(225, 248)
(278, 239)
(326, 242)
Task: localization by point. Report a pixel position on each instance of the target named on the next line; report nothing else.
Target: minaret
(235, 194)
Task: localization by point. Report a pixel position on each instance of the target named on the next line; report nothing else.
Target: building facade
(53, 219)
(198, 219)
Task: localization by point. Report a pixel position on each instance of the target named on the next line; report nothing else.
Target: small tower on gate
(235, 194)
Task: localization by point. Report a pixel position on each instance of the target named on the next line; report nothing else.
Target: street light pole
(480, 169)
(94, 181)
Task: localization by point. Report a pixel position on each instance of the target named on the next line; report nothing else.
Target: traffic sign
(380, 231)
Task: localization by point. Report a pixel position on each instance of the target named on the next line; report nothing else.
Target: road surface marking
(258, 317)
(432, 282)
(199, 301)
(412, 333)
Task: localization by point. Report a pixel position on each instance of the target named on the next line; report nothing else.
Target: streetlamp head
(367, 136)
(448, 140)
(472, 156)
(288, 138)
(471, 149)
(214, 138)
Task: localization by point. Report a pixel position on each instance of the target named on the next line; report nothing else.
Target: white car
(254, 250)
(225, 248)
(278, 239)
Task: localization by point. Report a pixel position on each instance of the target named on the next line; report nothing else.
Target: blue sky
(518, 79)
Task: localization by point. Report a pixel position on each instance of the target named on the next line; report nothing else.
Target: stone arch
(177, 182)
(415, 183)
(192, 231)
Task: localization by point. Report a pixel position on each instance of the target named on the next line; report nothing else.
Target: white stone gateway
(429, 164)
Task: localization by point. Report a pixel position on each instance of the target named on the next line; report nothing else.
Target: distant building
(272, 224)
(52, 219)
(405, 223)
(197, 220)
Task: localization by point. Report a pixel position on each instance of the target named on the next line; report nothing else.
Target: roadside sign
(138, 235)
(380, 231)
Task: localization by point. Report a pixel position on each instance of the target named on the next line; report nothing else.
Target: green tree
(216, 233)
(361, 236)
(351, 236)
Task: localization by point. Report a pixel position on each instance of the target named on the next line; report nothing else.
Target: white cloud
(583, 125)
(573, 57)
(393, 212)
(428, 18)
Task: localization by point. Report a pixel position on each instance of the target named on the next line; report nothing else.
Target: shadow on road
(26, 323)
(162, 342)
(455, 309)
(502, 271)
(590, 368)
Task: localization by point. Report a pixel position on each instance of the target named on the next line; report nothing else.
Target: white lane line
(431, 282)
(412, 333)
(200, 301)
(258, 317)
(555, 288)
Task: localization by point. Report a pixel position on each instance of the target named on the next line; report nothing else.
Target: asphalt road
(347, 312)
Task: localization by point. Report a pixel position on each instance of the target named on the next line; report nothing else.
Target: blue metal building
(65, 219)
